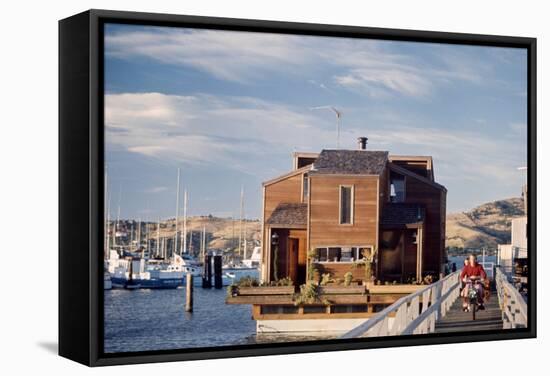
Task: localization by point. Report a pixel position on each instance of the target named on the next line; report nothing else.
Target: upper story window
(346, 204)
(305, 188)
(397, 187)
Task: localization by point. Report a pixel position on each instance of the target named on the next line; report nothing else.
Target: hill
(484, 226)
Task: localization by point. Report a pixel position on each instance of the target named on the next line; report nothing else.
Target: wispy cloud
(158, 189)
(364, 66)
(242, 132)
(238, 132)
(459, 155)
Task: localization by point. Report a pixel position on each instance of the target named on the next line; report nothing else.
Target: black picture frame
(81, 198)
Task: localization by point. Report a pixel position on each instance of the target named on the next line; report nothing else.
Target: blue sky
(229, 108)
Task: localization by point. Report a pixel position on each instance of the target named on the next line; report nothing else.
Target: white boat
(255, 259)
(134, 273)
(107, 284)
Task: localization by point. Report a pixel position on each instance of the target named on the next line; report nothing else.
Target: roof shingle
(355, 162)
(289, 214)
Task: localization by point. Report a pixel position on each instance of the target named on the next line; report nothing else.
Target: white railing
(410, 314)
(512, 304)
(489, 269)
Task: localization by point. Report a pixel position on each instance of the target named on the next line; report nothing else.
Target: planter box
(266, 290)
(394, 289)
(352, 289)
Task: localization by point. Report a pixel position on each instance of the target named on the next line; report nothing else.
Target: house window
(305, 188)
(397, 188)
(341, 254)
(346, 204)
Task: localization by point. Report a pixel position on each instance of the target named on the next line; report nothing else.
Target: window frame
(404, 188)
(305, 181)
(326, 248)
(352, 204)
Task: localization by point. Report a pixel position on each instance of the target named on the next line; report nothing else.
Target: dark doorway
(293, 249)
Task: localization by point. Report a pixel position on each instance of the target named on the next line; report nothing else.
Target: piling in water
(189, 293)
(218, 283)
(207, 273)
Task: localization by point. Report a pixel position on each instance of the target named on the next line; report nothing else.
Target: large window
(341, 254)
(346, 204)
(305, 187)
(397, 187)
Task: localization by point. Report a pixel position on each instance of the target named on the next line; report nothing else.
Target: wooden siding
(324, 227)
(433, 198)
(288, 190)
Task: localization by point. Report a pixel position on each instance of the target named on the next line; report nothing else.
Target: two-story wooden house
(336, 215)
(345, 204)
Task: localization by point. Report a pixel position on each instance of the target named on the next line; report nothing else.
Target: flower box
(266, 290)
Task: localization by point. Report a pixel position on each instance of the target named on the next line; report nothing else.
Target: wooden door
(293, 248)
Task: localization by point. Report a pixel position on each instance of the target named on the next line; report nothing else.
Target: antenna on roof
(338, 114)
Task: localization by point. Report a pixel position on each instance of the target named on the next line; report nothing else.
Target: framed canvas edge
(95, 165)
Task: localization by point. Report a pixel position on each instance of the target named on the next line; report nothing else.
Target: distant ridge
(486, 225)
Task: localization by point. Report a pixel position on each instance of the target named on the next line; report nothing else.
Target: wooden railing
(512, 304)
(413, 314)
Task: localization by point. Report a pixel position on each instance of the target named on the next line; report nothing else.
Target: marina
(300, 277)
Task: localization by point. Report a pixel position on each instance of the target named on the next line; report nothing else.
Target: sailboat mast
(185, 202)
(203, 242)
(117, 227)
(158, 238)
(241, 221)
(147, 237)
(109, 226)
(105, 239)
(131, 234)
(177, 212)
(138, 245)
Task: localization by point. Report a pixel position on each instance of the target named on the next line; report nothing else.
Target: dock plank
(458, 321)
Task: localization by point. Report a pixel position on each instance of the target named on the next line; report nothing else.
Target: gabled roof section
(406, 172)
(287, 175)
(289, 214)
(400, 214)
(350, 162)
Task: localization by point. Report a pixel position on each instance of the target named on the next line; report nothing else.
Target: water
(459, 260)
(142, 320)
(147, 320)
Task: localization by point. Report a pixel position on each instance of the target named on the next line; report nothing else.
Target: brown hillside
(484, 226)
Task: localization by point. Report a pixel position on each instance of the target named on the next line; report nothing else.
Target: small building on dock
(344, 233)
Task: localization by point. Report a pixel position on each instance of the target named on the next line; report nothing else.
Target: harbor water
(147, 320)
(143, 320)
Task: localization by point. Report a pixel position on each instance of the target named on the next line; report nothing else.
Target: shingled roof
(355, 162)
(402, 214)
(289, 214)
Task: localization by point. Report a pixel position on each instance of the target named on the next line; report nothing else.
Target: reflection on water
(144, 320)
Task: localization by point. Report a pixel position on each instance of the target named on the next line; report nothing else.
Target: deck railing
(512, 304)
(489, 268)
(413, 314)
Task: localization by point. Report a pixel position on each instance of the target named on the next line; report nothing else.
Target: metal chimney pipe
(362, 143)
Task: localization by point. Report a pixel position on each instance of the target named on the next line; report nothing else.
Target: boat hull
(161, 283)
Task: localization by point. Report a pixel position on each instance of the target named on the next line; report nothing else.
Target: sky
(229, 109)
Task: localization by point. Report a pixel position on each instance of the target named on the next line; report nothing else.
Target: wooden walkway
(458, 321)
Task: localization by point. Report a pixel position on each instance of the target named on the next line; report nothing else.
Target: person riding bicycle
(472, 272)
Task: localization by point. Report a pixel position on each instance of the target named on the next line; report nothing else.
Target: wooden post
(207, 272)
(218, 282)
(189, 293)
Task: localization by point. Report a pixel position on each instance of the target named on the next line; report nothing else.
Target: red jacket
(473, 271)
